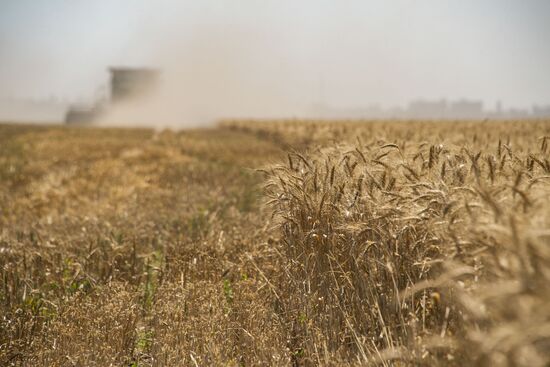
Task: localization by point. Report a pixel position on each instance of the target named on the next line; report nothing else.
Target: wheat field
(276, 243)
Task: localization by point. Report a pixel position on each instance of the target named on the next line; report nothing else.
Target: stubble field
(279, 243)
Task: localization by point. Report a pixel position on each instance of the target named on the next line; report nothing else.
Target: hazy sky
(346, 53)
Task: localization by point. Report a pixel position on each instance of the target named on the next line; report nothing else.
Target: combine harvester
(126, 84)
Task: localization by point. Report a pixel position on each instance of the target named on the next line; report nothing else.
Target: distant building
(517, 113)
(465, 109)
(428, 109)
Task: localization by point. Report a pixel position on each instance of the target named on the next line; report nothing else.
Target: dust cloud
(222, 59)
(215, 73)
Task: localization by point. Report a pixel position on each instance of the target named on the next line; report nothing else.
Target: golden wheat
(370, 243)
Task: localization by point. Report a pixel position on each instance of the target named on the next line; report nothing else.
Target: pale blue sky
(350, 53)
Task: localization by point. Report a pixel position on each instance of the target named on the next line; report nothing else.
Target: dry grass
(377, 243)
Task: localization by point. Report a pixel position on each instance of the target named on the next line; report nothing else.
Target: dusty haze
(224, 59)
(215, 73)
